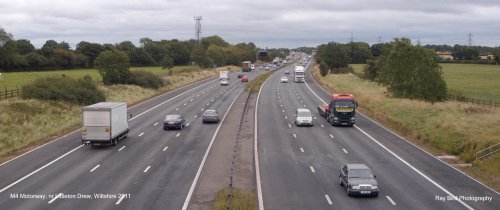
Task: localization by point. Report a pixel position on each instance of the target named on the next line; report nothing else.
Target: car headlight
(352, 118)
(335, 118)
(355, 187)
(374, 187)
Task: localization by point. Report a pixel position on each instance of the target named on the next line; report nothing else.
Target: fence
(5, 94)
(473, 100)
(488, 151)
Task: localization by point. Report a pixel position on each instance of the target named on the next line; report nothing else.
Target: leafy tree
(199, 56)
(216, 55)
(323, 68)
(213, 40)
(370, 71)
(4, 37)
(334, 55)
(139, 57)
(113, 67)
(91, 50)
(35, 60)
(411, 72)
(24, 46)
(126, 46)
(359, 52)
(167, 63)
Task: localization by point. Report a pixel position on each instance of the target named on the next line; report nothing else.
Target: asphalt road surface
(151, 169)
(299, 166)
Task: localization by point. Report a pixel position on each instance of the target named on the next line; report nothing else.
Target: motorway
(152, 168)
(299, 166)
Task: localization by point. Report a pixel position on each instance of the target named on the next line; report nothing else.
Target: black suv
(358, 179)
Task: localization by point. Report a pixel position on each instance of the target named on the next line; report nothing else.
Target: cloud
(278, 23)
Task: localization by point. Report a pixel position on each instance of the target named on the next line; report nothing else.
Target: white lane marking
(177, 109)
(178, 134)
(202, 109)
(93, 169)
(298, 97)
(305, 105)
(119, 200)
(312, 169)
(289, 125)
(301, 101)
(198, 95)
(141, 134)
(155, 124)
(165, 148)
(147, 169)
(345, 151)
(281, 105)
(286, 117)
(198, 173)
(195, 116)
(331, 136)
(191, 100)
(283, 110)
(208, 104)
(55, 198)
(315, 117)
(328, 199)
(302, 149)
(322, 126)
(39, 169)
(121, 148)
(187, 124)
(390, 200)
(185, 104)
(212, 100)
(295, 136)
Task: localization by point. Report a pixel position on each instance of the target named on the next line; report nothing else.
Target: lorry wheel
(113, 142)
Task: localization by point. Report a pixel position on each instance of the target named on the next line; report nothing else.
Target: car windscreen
(210, 113)
(360, 173)
(172, 117)
(304, 114)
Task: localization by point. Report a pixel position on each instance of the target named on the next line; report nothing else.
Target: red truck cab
(340, 111)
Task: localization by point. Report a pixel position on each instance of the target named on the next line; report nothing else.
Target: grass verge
(25, 124)
(254, 85)
(441, 128)
(235, 199)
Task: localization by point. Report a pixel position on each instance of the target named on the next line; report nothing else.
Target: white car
(287, 71)
(224, 82)
(303, 117)
(284, 80)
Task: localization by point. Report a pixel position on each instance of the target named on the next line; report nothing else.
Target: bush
(113, 67)
(370, 70)
(82, 91)
(145, 79)
(323, 69)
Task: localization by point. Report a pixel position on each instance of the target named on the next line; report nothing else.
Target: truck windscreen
(344, 106)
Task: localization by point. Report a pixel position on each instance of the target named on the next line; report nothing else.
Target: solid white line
(289, 125)
(345, 151)
(331, 136)
(55, 198)
(155, 124)
(97, 166)
(390, 200)
(312, 169)
(178, 134)
(121, 148)
(302, 149)
(202, 164)
(295, 136)
(146, 170)
(141, 134)
(328, 199)
(119, 200)
(39, 169)
(165, 148)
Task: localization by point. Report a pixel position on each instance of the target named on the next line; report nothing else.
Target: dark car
(174, 121)
(244, 79)
(358, 179)
(210, 115)
(240, 75)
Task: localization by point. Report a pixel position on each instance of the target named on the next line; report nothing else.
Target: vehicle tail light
(84, 129)
(106, 129)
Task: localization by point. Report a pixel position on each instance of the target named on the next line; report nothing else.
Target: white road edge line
(119, 200)
(390, 200)
(328, 199)
(93, 169)
(345, 151)
(312, 169)
(121, 148)
(198, 173)
(147, 169)
(401, 159)
(39, 169)
(55, 198)
(165, 148)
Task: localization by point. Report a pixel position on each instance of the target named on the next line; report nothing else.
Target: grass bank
(25, 124)
(441, 128)
(13, 80)
(235, 199)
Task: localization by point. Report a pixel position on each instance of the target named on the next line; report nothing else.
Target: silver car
(303, 117)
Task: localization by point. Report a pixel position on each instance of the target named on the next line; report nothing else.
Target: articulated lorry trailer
(246, 66)
(340, 111)
(104, 124)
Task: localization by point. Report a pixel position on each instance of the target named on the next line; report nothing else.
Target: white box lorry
(104, 123)
(223, 75)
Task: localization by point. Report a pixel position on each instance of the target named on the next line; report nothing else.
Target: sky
(267, 23)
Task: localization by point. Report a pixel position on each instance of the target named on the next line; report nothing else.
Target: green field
(476, 81)
(12, 80)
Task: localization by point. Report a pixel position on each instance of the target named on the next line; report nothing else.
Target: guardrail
(488, 151)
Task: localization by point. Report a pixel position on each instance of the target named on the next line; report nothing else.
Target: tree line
(21, 55)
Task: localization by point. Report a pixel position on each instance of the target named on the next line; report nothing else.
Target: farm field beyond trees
(476, 81)
(12, 80)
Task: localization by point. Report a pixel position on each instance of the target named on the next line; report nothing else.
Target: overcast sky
(267, 23)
